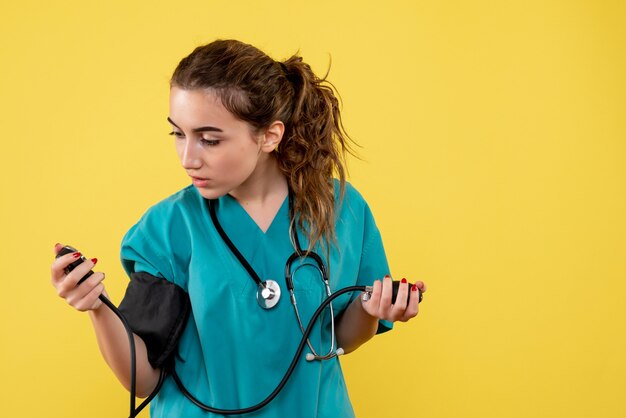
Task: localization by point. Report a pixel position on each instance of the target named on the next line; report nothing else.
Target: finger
(385, 297)
(421, 285)
(402, 298)
(72, 278)
(57, 248)
(70, 281)
(57, 270)
(412, 308)
(89, 300)
(371, 306)
(74, 295)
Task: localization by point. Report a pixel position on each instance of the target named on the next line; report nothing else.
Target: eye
(177, 134)
(210, 142)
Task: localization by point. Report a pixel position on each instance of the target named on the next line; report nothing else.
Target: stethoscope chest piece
(268, 294)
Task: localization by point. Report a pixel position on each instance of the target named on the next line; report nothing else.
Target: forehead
(190, 109)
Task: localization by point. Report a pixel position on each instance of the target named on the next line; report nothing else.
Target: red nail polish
(403, 280)
(76, 255)
(94, 260)
(387, 276)
(414, 288)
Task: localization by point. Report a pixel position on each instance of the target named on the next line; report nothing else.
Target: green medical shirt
(233, 353)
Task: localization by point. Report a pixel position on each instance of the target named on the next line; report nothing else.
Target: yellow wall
(494, 146)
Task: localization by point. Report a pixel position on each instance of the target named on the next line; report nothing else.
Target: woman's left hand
(379, 304)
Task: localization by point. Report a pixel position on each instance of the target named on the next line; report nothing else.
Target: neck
(266, 184)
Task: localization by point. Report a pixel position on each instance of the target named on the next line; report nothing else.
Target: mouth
(199, 181)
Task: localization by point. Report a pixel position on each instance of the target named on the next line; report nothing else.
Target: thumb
(57, 248)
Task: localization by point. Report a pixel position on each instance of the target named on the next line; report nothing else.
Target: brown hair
(259, 90)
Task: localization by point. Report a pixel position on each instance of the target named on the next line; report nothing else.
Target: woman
(261, 141)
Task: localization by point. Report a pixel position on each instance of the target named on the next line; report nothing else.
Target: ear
(272, 136)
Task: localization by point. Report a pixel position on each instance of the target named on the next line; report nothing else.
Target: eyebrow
(200, 129)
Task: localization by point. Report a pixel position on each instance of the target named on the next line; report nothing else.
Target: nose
(190, 155)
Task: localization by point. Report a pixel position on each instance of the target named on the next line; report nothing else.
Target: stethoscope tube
(294, 361)
(131, 340)
(297, 255)
(133, 360)
(303, 341)
(211, 206)
(313, 355)
(133, 354)
(133, 363)
(290, 369)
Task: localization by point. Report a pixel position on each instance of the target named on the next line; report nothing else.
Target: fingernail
(403, 280)
(76, 255)
(414, 288)
(94, 260)
(57, 244)
(387, 276)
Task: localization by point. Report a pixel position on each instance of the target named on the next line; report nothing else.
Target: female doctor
(261, 140)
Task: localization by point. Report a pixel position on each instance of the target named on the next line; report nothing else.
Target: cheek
(234, 163)
(244, 154)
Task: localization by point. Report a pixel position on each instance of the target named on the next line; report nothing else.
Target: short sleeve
(156, 304)
(373, 264)
(158, 245)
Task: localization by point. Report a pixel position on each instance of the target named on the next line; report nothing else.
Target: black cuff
(157, 311)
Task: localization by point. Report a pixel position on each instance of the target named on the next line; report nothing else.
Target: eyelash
(207, 142)
(210, 142)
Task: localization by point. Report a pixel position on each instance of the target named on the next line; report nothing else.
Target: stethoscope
(268, 291)
(268, 295)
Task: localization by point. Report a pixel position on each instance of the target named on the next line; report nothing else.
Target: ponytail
(313, 150)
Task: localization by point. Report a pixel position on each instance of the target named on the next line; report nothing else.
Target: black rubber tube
(287, 375)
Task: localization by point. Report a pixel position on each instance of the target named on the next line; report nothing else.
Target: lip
(199, 181)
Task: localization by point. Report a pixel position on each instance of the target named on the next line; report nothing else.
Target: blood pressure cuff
(157, 311)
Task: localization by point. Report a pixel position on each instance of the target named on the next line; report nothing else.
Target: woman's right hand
(84, 297)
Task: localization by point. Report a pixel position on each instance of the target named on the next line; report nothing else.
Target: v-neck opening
(274, 220)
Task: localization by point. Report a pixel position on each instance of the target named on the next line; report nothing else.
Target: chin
(211, 193)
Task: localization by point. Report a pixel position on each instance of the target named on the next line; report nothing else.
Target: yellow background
(494, 158)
